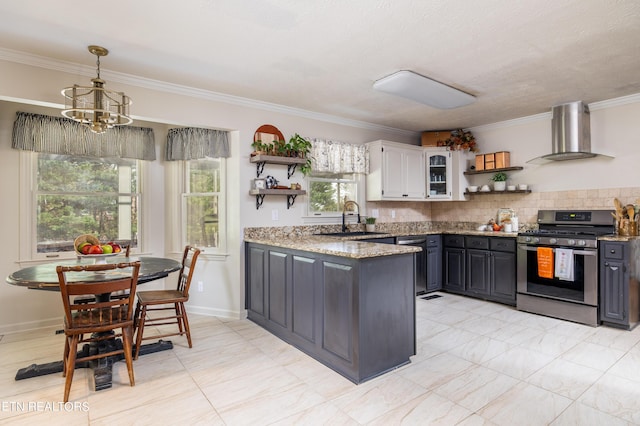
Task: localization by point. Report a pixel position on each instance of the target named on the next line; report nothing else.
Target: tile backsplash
(482, 207)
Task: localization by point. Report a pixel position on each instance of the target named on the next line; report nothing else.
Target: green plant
(258, 146)
(370, 220)
(301, 148)
(499, 177)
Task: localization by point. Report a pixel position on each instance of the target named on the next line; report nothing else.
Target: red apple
(86, 248)
(95, 249)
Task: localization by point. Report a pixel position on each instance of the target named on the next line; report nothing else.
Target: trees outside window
(203, 203)
(327, 193)
(78, 195)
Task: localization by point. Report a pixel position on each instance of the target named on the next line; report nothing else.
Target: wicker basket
(86, 238)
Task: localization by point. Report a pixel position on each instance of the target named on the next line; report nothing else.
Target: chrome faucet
(344, 212)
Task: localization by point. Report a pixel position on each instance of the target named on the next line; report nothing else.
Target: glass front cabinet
(445, 179)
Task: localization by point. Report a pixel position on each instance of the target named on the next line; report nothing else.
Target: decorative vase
(499, 186)
(370, 227)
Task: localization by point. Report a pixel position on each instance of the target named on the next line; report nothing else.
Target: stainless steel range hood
(570, 134)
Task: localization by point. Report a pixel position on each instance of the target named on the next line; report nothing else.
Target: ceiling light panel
(410, 85)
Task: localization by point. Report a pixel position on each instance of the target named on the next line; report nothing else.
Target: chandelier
(96, 107)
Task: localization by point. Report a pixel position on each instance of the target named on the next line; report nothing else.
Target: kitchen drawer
(433, 240)
(613, 250)
(481, 243)
(454, 241)
(503, 244)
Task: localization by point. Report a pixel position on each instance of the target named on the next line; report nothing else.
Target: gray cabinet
(454, 264)
(491, 268)
(503, 269)
(434, 263)
(280, 289)
(479, 266)
(618, 292)
(357, 316)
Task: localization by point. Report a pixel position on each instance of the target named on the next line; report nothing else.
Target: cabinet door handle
(613, 251)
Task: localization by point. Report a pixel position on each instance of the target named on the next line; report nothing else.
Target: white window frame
(28, 205)
(334, 217)
(221, 249)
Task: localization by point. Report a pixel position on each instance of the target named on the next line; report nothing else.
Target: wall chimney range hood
(570, 134)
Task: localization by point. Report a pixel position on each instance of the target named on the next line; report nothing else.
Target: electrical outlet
(393, 214)
(375, 213)
(200, 286)
(274, 214)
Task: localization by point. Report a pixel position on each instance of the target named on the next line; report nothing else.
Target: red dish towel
(545, 262)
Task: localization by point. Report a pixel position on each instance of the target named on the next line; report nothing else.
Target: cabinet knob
(613, 251)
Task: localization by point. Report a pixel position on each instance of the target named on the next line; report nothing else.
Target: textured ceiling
(519, 58)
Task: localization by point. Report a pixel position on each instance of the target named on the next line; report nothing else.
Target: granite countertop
(350, 246)
(337, 246)
(308, 238)
(614, 237)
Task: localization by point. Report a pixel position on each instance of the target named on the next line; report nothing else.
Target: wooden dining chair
(167, 300)
(99, 318)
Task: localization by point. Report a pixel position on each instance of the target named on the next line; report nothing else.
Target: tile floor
(477, 363)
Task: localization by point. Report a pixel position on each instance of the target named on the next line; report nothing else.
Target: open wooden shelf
(517, 191)
(290, 162)
(506, 169)
(275, 159)
(290, 193)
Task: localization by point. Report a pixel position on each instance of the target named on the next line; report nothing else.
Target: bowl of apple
(88, 246)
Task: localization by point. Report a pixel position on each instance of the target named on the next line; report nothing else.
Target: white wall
(615, 131)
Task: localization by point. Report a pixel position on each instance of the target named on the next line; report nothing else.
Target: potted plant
(301, 148)
(259, 148)
(499, 181)
(370, 224)
(461, 140)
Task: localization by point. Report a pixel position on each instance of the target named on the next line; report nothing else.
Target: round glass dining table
(44, 277)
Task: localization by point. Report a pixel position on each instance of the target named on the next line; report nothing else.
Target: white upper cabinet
(445, 179)
(396, 172)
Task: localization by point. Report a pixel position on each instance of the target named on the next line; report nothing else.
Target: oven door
(582, 289)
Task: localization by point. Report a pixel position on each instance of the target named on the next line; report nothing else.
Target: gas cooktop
(579, 228)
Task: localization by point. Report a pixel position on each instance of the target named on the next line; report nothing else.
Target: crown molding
(610, 103)
(594, 106)
(147, 83)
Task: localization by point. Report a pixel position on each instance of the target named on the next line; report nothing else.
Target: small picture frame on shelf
(259, 184)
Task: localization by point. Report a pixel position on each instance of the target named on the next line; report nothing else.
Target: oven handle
(582, 252)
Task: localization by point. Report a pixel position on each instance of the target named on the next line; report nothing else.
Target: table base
(102, 368)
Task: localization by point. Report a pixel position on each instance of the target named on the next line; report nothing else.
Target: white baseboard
(221, 313)
(31, 325)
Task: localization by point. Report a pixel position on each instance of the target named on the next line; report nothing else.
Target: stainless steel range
(558, 264)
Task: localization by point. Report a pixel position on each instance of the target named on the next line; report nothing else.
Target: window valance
(339, 157)
(59, 135)
(192, 143)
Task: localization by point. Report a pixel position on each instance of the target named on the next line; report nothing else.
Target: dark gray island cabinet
(355, 315)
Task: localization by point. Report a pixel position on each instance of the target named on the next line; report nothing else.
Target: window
(327, 193)
(81, 195)
(203, 204)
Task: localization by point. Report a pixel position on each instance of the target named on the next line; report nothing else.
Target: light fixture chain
(98, 64)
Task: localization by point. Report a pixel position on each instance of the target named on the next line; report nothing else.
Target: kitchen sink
(350, 234)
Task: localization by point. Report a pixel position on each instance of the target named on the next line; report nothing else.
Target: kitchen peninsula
(348, 304)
